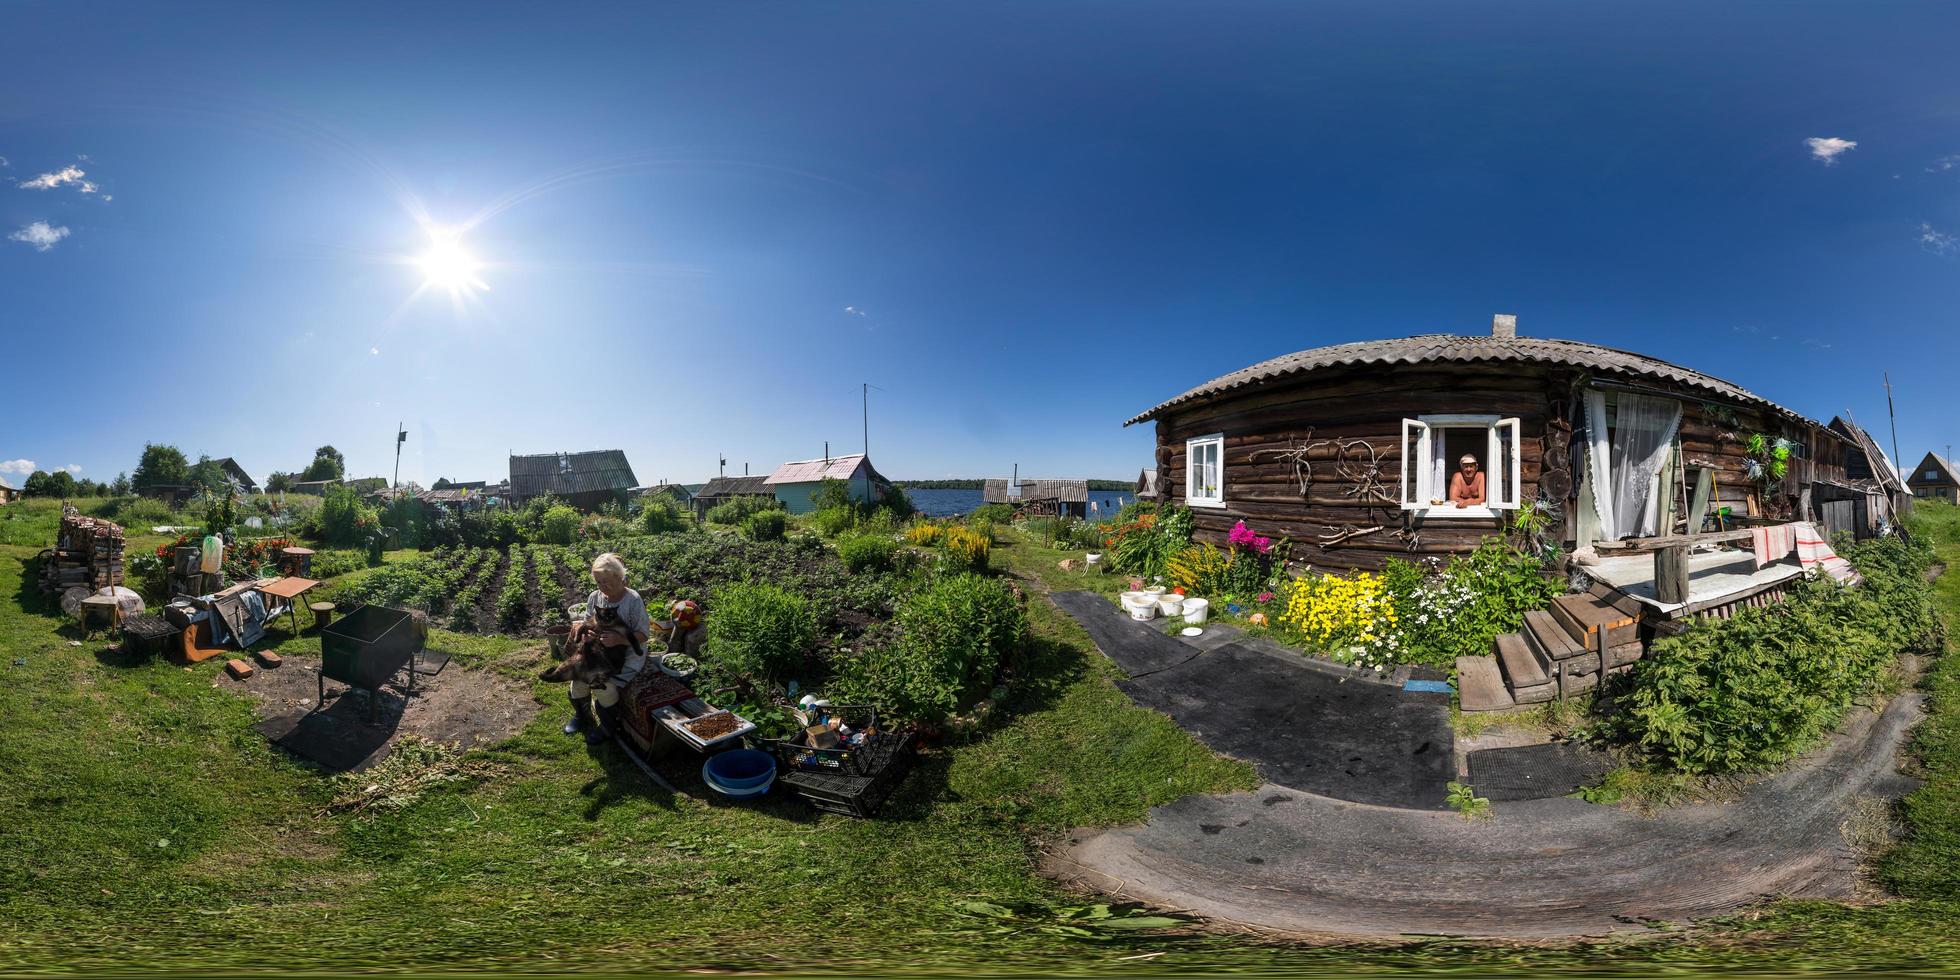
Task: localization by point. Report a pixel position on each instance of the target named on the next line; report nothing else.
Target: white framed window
(1204, 471)
(1432, 446)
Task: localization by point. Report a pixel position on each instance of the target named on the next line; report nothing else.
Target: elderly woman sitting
(620, 617)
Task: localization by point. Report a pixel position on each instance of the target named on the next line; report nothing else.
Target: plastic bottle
(213, 559)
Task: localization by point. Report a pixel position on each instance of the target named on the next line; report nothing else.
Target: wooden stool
(322, 614)
(100, 612)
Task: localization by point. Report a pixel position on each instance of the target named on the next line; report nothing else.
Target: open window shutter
(1505, 445)
(1415, 463)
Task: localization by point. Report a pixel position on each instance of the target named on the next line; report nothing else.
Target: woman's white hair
(611, 563)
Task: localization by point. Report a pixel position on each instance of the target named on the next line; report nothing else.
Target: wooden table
(290, 589)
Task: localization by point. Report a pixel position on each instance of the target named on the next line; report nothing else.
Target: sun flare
(448, 265)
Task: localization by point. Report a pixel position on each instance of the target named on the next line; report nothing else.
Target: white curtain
(1642, 434)
(1439, 468)
(1598, 454)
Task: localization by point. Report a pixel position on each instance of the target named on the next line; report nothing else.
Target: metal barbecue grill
(366, 648)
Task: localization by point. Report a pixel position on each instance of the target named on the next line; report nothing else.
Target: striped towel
(1815, 552)
(1773, 543)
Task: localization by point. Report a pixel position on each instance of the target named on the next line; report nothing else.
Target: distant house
(8, 494)
(1147, 485)
(240, 480)
(587, 480)
(676, 492)
(313, 488)
(723, 489)
(1935, 479)
(795, 484)
(1040, 498)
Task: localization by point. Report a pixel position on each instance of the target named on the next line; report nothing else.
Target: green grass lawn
(144, 825)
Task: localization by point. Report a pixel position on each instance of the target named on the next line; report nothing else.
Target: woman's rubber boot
(607, 723)
(581, 716)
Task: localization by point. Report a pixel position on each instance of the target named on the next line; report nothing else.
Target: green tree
(120, 486)
(442, 483)
(327, 465)
(207, 475)
(276, 482)
(161, 466)
(41, 483)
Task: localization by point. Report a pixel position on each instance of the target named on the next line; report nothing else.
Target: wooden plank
(1671, 583)
(1521, 664)
(1480, 687)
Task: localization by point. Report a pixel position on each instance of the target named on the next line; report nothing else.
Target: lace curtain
(1624, 471)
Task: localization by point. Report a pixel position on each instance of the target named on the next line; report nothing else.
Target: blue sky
(703, 226)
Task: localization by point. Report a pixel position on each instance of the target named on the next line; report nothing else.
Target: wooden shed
(8, 494)
(1040, 498)
(723, 489)
(1351, 450)
(586, 480)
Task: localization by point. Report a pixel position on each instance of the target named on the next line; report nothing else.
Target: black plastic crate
(854, 796)
(795, 754)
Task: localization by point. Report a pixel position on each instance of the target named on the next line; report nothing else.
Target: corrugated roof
(735, 486)
(1881, 464)
(1065, 491)
(1451, 348)
(812, 470)
(569, 473)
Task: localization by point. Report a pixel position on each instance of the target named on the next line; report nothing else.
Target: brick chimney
(1504, 325)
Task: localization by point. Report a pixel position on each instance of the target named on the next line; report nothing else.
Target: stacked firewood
(87, 552)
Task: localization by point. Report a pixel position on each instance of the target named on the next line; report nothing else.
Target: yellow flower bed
(1355, 610)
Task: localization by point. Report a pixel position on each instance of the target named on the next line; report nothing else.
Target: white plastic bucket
(1141, 610)
(1155, 590)
(1195, 610)
(1092, 558)
(1170, 605)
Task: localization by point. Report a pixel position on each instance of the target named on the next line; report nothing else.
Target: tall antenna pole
(401, 436)
(1894, 417)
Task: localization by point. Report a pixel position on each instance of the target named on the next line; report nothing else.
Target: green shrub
(951, 640)
(660, 515)
(559, 525)
(1752, 690)
(737, 509)
(868, 552)
(833, 521)
(344, 519)
(765, 525)
(833, 494)
(759, 631)
(1469, 603)
(992, 514)
(603, 527)
(138, 514)
(328, 564)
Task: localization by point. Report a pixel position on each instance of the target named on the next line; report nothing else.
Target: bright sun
(448, 265)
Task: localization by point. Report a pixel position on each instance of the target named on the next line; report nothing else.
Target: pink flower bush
(1263, 597)
(1242, 537)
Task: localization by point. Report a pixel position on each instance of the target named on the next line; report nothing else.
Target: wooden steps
(1524, 671)
(1587, 617)
(1480, 686)
(1560, 652)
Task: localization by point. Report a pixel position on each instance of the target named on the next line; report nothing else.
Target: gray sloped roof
(569, 473)
(1938, 462)
(1453, 349)
(1065, 491)
(736, 486)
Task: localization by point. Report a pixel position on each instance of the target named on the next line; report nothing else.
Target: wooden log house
(1347, 450)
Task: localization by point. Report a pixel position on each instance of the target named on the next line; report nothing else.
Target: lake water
(1103, 504)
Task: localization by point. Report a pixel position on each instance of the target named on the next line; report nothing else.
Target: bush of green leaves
(991, 514)
(833, 521)
(559, 525)
(868, 552)
(734, 510)
(765, 525)
(759, 631)
(951, 639)
(1753, 690)
(660, 515)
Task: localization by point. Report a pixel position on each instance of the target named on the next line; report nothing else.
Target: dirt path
(1295, 862)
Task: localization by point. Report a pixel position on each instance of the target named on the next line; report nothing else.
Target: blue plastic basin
(734, 772)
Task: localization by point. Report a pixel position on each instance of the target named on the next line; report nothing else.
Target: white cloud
(374, 350)
(22, 467)
(73, 467)
(1944, 164)
(40, 234)
(1936, 241)
(1829, 148)
(855, 311)
(70, 174)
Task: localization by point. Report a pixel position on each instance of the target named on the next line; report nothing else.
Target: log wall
(1369, 403)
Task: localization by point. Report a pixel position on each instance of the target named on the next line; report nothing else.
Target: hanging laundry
(1815, 552)
(1773, 544)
